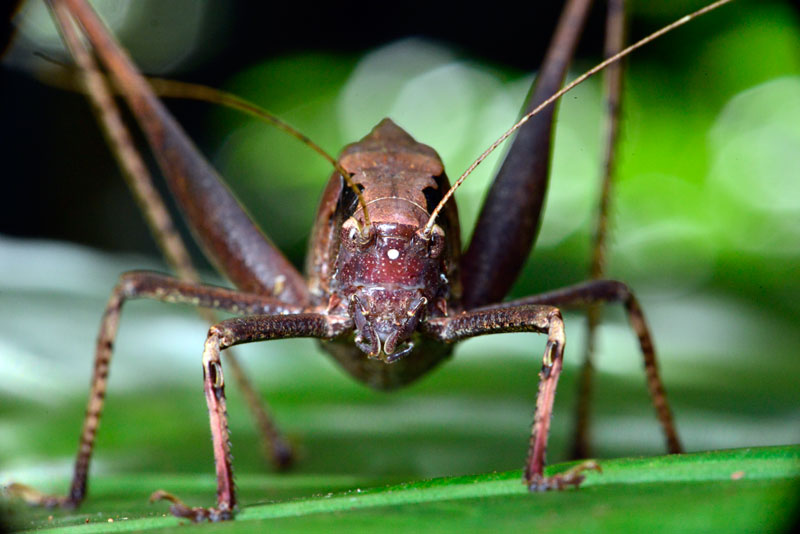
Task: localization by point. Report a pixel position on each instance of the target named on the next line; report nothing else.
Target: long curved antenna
(193, 91)
(428, 229)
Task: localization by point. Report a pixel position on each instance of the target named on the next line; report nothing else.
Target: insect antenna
(193, 91)
(428, 228)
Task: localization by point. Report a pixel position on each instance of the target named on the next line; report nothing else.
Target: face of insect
(388, 278)
(386, 270)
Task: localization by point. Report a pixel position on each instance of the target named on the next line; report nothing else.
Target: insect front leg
(607, 291)
(523, 318)
(138, 285)
(221, 336)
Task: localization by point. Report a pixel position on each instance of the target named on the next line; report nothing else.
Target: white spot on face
(393, 253)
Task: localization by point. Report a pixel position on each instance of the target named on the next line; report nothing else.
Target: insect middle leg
(138, 285)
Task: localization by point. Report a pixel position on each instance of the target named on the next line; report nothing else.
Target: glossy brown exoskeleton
(390, 278)
(388, 291)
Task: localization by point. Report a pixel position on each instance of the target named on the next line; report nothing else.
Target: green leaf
(737, 490)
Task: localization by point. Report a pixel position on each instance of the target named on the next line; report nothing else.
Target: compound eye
(436, 246)
(353, 236)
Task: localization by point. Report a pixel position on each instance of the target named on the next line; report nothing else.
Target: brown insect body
(391, 280)
(387, 295)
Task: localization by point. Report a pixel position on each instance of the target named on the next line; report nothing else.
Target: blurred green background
(705, 227)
